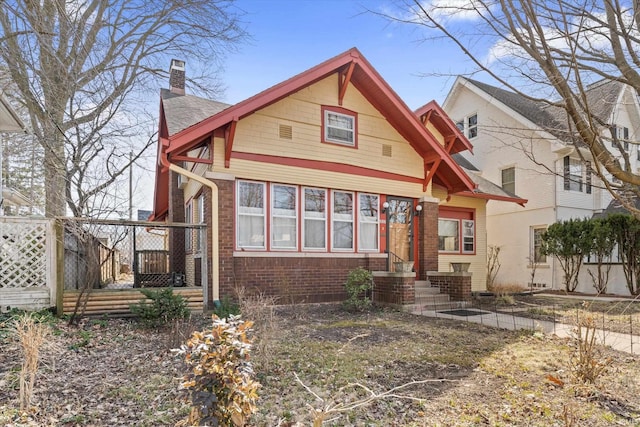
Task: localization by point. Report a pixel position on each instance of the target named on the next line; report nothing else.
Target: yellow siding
(478, 266)
(435, 133)
(258, 133)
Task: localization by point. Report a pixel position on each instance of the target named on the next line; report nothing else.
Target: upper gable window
(339, 126)
(509, 180)
(469, 126)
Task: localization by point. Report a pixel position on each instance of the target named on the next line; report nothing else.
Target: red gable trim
(433, 113)
(486, 196)
(357, 71)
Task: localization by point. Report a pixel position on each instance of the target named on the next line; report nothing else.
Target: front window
(251, 215)
(368, 205)
(509, 180)
(457, 231)
(342, 220)
(448, 235)
(339, 126)
(536, 245)
(284, 219)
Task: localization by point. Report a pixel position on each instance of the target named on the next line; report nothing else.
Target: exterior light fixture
(418, 210)
(385, 206)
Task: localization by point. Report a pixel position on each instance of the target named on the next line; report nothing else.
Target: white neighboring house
(525, 146)
(9, 122)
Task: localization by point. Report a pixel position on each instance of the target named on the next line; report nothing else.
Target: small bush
(358, 286)
(165, 307)
(222, 389)
(226, 308)
(587, 361)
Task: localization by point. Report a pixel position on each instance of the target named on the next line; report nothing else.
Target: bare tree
(550, 52)
(83, 70)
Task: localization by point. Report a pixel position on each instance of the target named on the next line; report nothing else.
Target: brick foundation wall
(428, 239)
(298, 279)
(456, 285)
(394, 288)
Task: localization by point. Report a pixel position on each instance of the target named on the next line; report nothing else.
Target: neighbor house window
(469, 126)
(472, 126)
(536, 245)
(315, 218)
(342, 223)
(577, 175)
(368, 206)
(509, 180)
(251, 215)
(284, 218)
(340, 126)
(456, 231)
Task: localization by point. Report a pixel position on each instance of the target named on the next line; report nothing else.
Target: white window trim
(201, 238)
(273, 215)
(264, 215)
(334, 220)
(188, 232)
(455, 251)
(469, 127)
(462, 237)
(361, 220)
(352, 130)
(304, 218)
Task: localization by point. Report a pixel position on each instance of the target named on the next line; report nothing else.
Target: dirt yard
(112, 373)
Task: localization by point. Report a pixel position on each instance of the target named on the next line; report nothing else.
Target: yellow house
(318, 175)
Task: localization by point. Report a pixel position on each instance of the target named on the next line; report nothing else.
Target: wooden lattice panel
(23, 254)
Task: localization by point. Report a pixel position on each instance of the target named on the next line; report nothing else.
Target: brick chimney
(176, 77)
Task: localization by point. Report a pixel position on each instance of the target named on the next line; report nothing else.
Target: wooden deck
(116, 302)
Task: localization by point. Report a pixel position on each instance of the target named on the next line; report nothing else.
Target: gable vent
(286, 132)
(386, 150)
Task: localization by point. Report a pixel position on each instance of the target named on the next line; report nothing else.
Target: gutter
(215, 251)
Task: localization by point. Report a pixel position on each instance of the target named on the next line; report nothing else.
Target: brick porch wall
(456, 285)
(394, 288)
(428, 238)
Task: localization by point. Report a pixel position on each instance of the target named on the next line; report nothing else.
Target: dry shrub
(180, 330)
(31, 336)
(587, 361)
(221, 382)
(501, 289)
(260, 309)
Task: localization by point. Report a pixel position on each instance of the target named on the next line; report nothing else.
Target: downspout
(215, 262)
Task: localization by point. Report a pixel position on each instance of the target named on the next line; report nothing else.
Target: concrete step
(426, 291)
(439, 306)
(432, 299)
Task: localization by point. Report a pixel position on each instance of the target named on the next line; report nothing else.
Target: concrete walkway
(622, 342)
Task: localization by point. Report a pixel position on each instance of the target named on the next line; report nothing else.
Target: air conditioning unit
(182, 181)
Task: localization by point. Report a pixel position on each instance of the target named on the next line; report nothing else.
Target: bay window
(282, 217)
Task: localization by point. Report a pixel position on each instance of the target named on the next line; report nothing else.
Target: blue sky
(290, 36)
